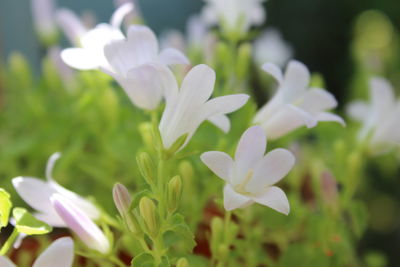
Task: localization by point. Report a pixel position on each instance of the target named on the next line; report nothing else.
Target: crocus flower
(251, 176)
(294, 104)
(131, 62)
(43, 17)
(234, 14)
(79, 222)
(91, 53)
(380, 117)
(60, 253)
(37, 193)
(188, 107)
(271, 47)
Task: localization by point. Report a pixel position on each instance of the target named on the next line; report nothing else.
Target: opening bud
(174, 193)
(182, 262)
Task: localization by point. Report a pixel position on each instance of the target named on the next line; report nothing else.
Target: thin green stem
(10, 241)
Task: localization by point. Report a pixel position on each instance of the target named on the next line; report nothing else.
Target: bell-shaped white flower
(132, 63)
(80, 223)
(251, 176)
(294, 104)
(188, 107)
(234, 14)
(91, 53)
(36, 193)
(271, 47)
(380, 118)
(60, 253)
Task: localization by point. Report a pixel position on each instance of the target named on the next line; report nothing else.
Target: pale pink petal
(60, 253)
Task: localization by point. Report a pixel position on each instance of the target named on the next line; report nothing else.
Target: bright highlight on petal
(60, 253)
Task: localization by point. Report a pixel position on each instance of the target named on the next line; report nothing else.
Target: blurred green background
(321, 32)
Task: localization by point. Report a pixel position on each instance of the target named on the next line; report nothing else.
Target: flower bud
(148, 213)
(122, 198)
(146, 167)
(146, 131)
(182, 262)
(243, 61)
(186, 170)
(217, 233)
(223, 251)
(329, 188)
(174, 193)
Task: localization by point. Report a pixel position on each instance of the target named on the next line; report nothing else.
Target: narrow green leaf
(5, 207)
(26, 223)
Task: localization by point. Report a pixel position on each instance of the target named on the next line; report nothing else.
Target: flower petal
(223, 105)
(119, 14)
(171, 56)
(60, 253)
(221, 121)
(6, 262)
(296, 80)
(274, 198)
(326, 116)
(358, 110)
(317, 100)
(71, 25)
(382, 94)
(274, 71)
(251, 147)
(50, 165)
(233, 200)
(219, 163)
(270, 170)
(80, 58)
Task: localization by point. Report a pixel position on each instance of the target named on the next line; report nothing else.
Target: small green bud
(146, 131)
(217, 234)
(146, 167)
(243, 61)
(174, 193)
(176, 146)
(223, 251)
(186, 170)
(182, 262)
(148, 211)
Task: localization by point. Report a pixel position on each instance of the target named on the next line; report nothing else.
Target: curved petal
(326, 116)
(358, 110)
(224, 104)
(51, 219)
(274, 198)
(270, 170)
(296, 80)
(60, 253)
(219, 163)
(382, 94)
(251, 147)
(317, 100)
(221, 121)
(80, 58)
(119, 14)
(171, 56)
(50, 165)
(233, 200)
(71, 25)
(6, 262)
(274, 71)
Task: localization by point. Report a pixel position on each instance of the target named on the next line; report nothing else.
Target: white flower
(91, 53)
(78, 221)
(270, 47)
(294, 104)
(251, 176)
(380, 118)
(60, 253)
(188, 107)
(65, 72)
(43, 17)
(234, 14)
(132, 63)
(37, 193)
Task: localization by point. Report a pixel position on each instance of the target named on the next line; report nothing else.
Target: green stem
(10, 241)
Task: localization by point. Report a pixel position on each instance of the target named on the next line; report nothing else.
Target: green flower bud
(146, 131)
(148, 211)
(182, 262)
(223, 251)
(146, 167)
(186, 170)
(217, 234)
(243, 61)
(174, 193)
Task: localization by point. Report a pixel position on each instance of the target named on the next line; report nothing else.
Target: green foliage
(27, 224)
(5, 207)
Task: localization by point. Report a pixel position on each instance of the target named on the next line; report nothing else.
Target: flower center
(241, 188)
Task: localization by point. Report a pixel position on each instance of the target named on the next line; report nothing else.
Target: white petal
(326, 116)
(224, 104)
(171, 56)
(221, 121)
(119, 14)
(296, 80)
(60, 253)
(317, 100)
(80, 58)
(233, 200)
(6, 262)
(382, 94)
(270, 170)
(274, 71)
(218, 162)
(274, 198)
(71, 25)
(51, 219)
(50, 165)
(251, 147)
(358, 110)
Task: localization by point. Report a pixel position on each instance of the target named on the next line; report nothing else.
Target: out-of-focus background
(322, 33)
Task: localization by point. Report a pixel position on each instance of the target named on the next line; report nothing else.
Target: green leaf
(164, 262)
(143, 260)
(179, 233)
(5, 207)
(138, 196)
(26, 223)
(359, 217)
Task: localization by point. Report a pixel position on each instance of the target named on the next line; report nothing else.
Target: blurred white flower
(271, 47)
(36, 193)
(91, 53)
(65, 72)
(294, 104)
(251, 176)
(43, 17)
(380, 118)
(79, 222)
(188, 107)
(60, 253)
(134, 63)
(235, 15)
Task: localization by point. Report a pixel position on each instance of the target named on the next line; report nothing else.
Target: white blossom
(188, 107)
(380, 117)
(43, 17)
(36, 193)
(251, 176)
(294, 104)
(60, 253)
